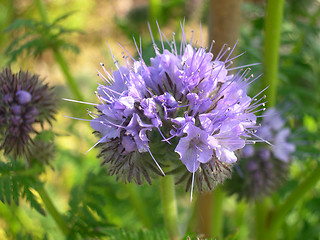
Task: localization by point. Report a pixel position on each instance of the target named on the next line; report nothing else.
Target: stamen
(76, 101)
(155, 161)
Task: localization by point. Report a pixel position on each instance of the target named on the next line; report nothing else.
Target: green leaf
(32, 199)
(123, 234)
(39, 37)
(16, 182)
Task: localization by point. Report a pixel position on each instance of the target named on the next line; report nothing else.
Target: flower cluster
(24, 101)
(265, 166)
(186, 104)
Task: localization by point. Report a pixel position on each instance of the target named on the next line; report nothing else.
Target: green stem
(58, 56)
(240, 220)
(261, 212)
(65, 69)
(217, 212)
(280, 213)
(52, 210)
(42, 11)
(204, 214)
(273, 25)
(154, 10)
(138, 205)
(169, 206)
(154, 13)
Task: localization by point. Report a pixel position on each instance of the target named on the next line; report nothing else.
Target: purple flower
(282, 149)
(264, 166)
(186, 99)
(24, 101)
(273, 131)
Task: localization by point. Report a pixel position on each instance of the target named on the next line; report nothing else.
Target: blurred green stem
(42, 10)
(217, 212)
(58, 56)
(52, 210)
(65, 69)
(169, 206)
(240, 223)
(154, 10)
(280, 213)
(273, 25)
(138, 205)
(261, 211)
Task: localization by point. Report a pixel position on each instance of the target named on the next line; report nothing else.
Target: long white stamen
(155, 161)
(76, 101)
(194, 166)
(81, 119)
(101, 139)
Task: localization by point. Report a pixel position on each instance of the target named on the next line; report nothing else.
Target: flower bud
(18, 114)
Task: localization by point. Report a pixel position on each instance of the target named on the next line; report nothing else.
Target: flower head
(264, 167)
(24, 101)
(186, 99)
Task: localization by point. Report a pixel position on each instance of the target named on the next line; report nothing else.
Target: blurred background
(65, 42)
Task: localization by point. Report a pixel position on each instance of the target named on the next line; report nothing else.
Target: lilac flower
(264, 166)
(187, 100)
(273, 130)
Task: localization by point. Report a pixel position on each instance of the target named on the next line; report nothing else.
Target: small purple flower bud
(16, 109)
(33, 111)
(16, 120)
(7, 99)
(252, 166)
(264, 154)
(23, 97)
(247, 151)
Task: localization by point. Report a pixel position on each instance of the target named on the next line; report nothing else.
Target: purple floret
(195, 148)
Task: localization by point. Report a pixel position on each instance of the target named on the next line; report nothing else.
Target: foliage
(18, 182)
(38, 36)
(86, 215)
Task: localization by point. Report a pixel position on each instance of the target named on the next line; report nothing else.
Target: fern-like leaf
(38, 37)
(17, 182)
(124, 234)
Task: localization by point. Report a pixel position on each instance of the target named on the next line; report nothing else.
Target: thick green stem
(52, 210)
(273, 25)
(217, 212)
(65, 69)
(280, 213)
(169, 206)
